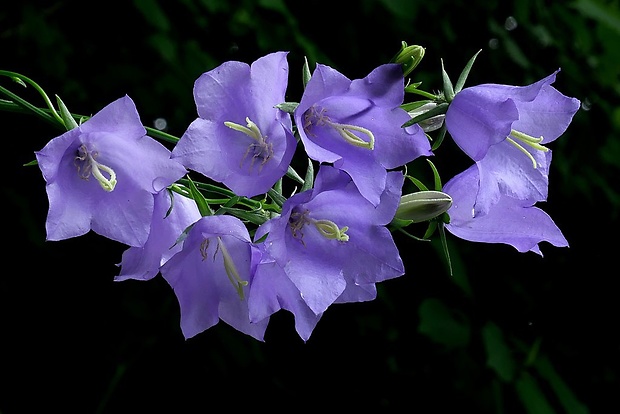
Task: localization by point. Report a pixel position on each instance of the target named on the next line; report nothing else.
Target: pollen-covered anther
(528, 140)
(86, 164)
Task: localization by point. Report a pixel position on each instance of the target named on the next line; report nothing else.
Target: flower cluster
(234, 247)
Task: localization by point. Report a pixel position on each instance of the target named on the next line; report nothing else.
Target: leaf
(532, 397)
(561, 389)
(442, 325)
(499, 355)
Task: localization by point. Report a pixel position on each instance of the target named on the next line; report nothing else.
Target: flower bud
(423, 205)
(409, 57)
(430, 124)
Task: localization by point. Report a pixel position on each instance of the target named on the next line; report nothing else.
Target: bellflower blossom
(211, 274)
(239, 138)
(504, 129)
(356, 125)
(102, 175)
(510, 220)
(172, 214)
(332, 244)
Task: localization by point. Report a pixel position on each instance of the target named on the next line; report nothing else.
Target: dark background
(507, 333)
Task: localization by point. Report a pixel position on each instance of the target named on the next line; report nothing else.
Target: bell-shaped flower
(172, 214)
(510, 220)
(212, 274)
(239, 138)
(504, 129)
(356, 125)
(102, 175)
(330, 241)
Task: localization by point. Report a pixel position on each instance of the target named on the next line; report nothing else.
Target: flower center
(351, 134)
(527, 140)
(326, 228)
(229, 264)
(86, 164)
(259, 148)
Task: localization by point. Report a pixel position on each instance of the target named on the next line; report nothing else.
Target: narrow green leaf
(440, 109)
(443, 325)
(566, 397)
(306, 74)
(308, 181)
(448, 89)
(463, 76)
(499, 355)
(531, 396)
(201, 201)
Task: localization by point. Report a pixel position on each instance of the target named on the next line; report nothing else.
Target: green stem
(36, 86)
(422, 93)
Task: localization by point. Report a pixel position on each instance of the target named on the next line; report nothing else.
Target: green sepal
(277, 198)
(412, 106)
(440, 109)
(199, 198)
(448, 89)
(291, 173)
(463, 76)
(436, 178)
(306, 74)
(256, 217)
(288, 107)
(309, 180)
(440, 137)
(66, 116)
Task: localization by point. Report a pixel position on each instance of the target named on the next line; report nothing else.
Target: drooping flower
(510, 220)
(332, 244)
(102, 176)
(212, 274)
(172, 214)
(504, 129)
(239, 138)
(356, 125)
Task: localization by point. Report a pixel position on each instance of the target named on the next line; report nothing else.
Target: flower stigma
(346, 131)
(229, 264)
(326, 228)
(259, 148)
(528, 140)
(86, 165)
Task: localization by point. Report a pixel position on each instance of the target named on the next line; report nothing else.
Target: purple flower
(211, 274)
(356, 125)
(239, 138)
(172, 214)
(102, 176)
(510, 220)
(332, 244)
(504, 130)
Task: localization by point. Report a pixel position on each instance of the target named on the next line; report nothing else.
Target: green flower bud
(409, 57)
(423, 205)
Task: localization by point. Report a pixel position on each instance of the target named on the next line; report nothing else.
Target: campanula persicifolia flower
(504, 129)
(239, 138)
(212, 274)
(356, 125)
(510, 220)
(102, 176)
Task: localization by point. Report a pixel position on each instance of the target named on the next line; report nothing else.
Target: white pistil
(528, 140)
(86, 164)
(345, 131)
(260, 148)
(251, 130)
(330, 230)
(231, 269)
